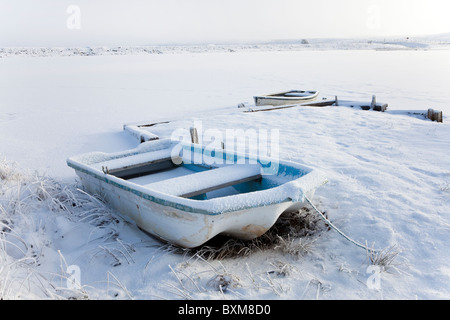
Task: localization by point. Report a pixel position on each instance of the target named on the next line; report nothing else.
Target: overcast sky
(147, 22)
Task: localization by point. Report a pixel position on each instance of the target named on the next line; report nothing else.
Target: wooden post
(336, 102)
(381, 108)
(434, 115)
(194, 135)
(373, 103)
(439, 116)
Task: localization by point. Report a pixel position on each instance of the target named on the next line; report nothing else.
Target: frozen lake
(389, 175)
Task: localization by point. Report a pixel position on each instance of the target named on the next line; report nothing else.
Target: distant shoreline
(291, 45)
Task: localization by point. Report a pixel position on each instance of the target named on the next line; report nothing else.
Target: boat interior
(197, 181)
(294, 93)
(166, 176)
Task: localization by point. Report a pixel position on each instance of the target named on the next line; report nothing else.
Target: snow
(205, 180)
(131, 160)
(161, 176)
(388, 173)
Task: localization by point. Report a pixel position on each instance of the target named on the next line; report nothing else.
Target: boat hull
(183, 228)
(190, 223)
(282, 98)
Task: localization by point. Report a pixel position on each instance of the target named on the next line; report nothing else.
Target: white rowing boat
(186, 194)
(288, 97)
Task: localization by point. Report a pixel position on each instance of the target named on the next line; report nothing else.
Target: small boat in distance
(288, 97)
(186, 194)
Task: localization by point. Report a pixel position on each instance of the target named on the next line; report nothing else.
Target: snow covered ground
(389, 173)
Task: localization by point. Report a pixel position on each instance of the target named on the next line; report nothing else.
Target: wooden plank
(205, 181)
(152, 124)
(220, 186)
(270, 109)
(321, 104)
(138, 165)
(144, 170)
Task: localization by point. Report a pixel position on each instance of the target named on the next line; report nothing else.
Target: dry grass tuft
(386, 259)
(294, 233)
(26, 201)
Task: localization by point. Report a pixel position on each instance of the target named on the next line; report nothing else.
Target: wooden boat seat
(201, 182)
(135, 164)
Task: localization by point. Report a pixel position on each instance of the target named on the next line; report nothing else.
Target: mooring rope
(339, 231)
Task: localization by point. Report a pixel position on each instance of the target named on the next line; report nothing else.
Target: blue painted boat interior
(274, 173)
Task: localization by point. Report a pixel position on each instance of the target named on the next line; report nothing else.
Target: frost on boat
(186, 194)
(288, 97)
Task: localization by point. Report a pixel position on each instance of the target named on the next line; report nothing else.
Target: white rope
(337, 229)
